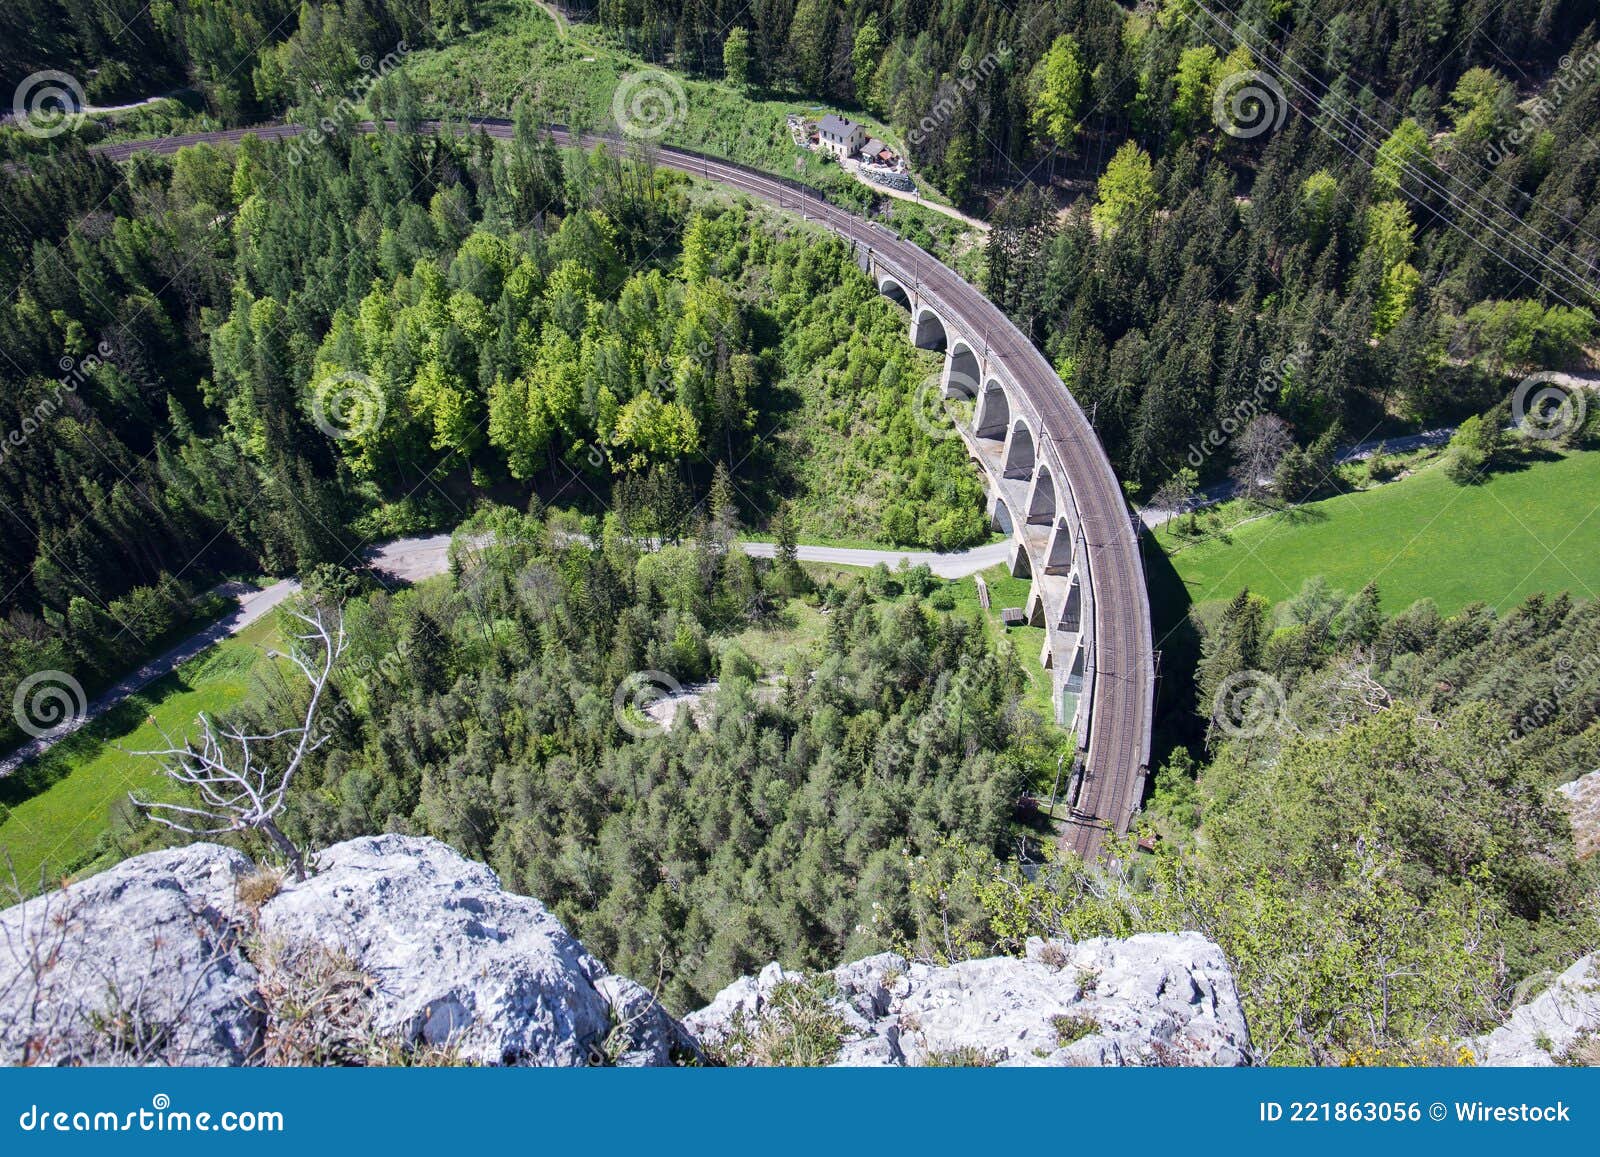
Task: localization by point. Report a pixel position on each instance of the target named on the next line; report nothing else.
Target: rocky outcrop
(151, 962)
(460, 962)
(190, 956)
(1582, 797)
(1146, 1000)
(143, 963)
(1556, 1026)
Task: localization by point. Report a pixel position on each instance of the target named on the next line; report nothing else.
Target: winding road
(1122, 662)
(414, 559)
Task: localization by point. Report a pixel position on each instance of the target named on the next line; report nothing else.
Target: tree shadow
(43, 772)
(1178, 643)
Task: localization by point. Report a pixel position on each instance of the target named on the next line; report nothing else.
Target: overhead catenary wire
(1495, 229)
(1355, 107)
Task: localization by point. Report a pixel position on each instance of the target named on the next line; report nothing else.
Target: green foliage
(1482, 107)
(698, 853)
(796, 1027)
(1404, 161)
(1073, 1027)
(1127, 188)
(1199, 70)
(1060, 81)
(738, 65)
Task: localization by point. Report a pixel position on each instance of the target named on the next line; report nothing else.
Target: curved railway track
(1120, 656)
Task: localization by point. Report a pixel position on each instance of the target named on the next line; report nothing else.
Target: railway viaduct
(1049, 482)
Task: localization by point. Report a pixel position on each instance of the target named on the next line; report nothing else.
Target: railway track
(1120, 657)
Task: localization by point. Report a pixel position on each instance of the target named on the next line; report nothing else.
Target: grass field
(57, 813)
(573, 73)
(1006, 591)
(1533, 528)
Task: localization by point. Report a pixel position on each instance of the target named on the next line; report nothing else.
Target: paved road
(251, 604)
(1360, 452)
(954, 565)
(1121, 655)
(412, 560)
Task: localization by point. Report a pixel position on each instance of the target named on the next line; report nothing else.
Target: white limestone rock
(1541, 1032)
(457, 960)
(1582, 797)
(138, 965)
(1147, 1000)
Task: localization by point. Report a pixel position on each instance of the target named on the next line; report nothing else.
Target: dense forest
(245, 58)
(485, 711)
(263, 359)
(1370, 833)
(1392, 206)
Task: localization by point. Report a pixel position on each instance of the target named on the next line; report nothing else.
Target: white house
(839, 136)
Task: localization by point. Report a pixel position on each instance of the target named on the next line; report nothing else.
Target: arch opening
(993, 416)
(895, 292)
(1042, 502)
(927, 331)
(961, 371)
(1019, 451)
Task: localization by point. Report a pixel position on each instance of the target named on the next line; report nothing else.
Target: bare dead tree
(240, 786)
(1256, 454)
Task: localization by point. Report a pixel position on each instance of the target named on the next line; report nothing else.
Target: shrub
(1073, 1027)
(799, 1027)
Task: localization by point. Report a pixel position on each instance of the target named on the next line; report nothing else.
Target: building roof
(874, 146)
(838, 125)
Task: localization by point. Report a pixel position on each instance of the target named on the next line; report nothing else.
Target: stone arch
(894, 291)
(927, 330)
(1072, 609)
(1018, 462)
(961, 371)
(993, 416)
(1075, 673)
(1042, 499)
(1000, 515)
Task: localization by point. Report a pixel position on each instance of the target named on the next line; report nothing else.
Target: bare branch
(238, 784)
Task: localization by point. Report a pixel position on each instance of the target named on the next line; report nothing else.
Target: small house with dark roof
(840, 136)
